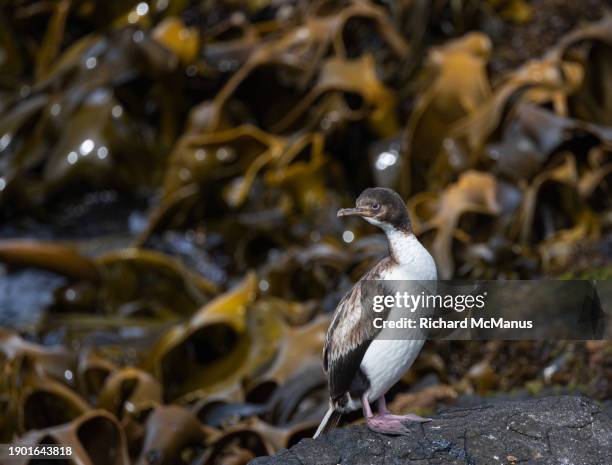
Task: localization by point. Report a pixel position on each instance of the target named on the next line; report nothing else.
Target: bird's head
(381, 207)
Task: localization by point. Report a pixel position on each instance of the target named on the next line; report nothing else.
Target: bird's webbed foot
(387, 423)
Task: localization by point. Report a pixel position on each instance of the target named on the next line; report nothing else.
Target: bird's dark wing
(351, 332)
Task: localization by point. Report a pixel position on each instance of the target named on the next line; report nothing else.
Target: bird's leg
(387, 423)
(382, 405)
(367, 411)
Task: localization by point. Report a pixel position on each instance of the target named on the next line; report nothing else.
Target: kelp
(220, 139)
(50, 256)
(216, 347)
(177, 37)
(81, 115)
(140, 281)
(34, 389)
(95, 437)
(299, 54)
(238, 155)
(455, 84)
(519, 132)
(126, 283)
(474, 192)
(129, 391)
(173, 435)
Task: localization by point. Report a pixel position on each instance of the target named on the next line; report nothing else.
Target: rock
(548, 431)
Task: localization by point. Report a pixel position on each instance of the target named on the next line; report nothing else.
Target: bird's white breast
(386, 360)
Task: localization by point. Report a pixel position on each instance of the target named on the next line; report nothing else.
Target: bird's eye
(375, 206)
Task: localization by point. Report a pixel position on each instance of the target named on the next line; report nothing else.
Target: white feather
(386, 359)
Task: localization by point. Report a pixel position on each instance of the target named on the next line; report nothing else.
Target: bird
(361, 366)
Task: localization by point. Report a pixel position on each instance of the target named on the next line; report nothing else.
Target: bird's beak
(353, 212)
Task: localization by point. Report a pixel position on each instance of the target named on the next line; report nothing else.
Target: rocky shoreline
(548, 431)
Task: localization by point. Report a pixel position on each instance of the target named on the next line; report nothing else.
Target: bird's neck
(404, 247)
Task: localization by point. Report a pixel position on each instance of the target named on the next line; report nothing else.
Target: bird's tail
(329, 421)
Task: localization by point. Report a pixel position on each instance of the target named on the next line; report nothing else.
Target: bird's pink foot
(387, 423)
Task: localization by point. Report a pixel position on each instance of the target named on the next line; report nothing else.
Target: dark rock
(548, 431)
